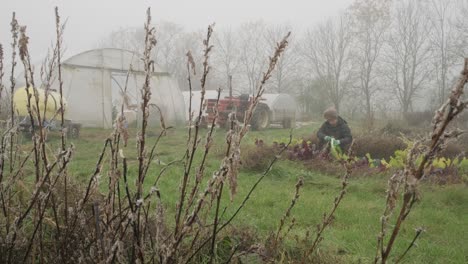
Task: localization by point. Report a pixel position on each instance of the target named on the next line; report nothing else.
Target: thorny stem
(14, 45)
(192, 151)
(327, 219)
(150, 43)
(47, 74)
(28, 75)
(88, 191)
(453, 107)
(392, 193)
(215, 224)
(59, 30)
(190, 63)
(58, 47)
(107, 229)
(2, 145)
(120, 127)
(1, 74)
(448, 112)
(35, 200)
(413, 242)
(153, 149)
(401, 217)
(38, 142)
(46, 202)
(228, 163)
(232, 254)
(200, 171)
(299, 184)
(244, 201)
(146, 96)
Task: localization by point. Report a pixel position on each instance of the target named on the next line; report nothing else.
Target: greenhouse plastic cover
(94, 81)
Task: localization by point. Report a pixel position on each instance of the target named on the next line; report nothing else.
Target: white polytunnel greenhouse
(94, 87)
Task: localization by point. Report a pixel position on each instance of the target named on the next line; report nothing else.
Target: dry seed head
(233, 171)
(191, 62)
(392, 190)
(300, 182)
(23, 43)
(14, 30)
(1, 61)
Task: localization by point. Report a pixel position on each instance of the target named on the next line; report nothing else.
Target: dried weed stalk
(416, 170)
(228, 170)
(278, 237)
(2, 73)
(124, 224)
(273, 248)
(328, 217)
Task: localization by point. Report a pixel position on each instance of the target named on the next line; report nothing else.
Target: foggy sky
(91, 20)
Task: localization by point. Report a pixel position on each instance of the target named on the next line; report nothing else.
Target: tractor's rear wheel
(260, 118)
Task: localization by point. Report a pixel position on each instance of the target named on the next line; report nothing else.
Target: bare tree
(370, 19)
(167, 54)
(286, 70)
(187, 42)
(170, 54)
(444, 40)
(312, 97)
(461, 23)
(124, 38)
(226, 57)
(408, 53)
(252, 52)
(327, 49)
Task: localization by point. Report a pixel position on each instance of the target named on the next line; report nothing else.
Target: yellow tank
(20, 99)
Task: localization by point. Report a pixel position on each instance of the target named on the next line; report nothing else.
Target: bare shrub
(255, 158)
(455, 149)
(380, 147)
(417, 119)
(396, 128)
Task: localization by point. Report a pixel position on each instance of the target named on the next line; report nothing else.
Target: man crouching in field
(335, 128)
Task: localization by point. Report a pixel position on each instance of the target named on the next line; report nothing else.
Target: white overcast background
(91, 20)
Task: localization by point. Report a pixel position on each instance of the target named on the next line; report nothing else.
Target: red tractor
(273, 108)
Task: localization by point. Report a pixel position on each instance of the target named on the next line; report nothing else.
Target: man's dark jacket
(341, 132)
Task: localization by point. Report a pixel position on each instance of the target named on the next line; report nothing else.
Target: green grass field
(443, 210)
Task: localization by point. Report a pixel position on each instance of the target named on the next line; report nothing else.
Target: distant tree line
(375, 57)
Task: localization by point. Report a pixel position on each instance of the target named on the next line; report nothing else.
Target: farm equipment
(273, 108)
(50, 112)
